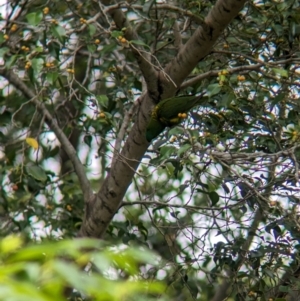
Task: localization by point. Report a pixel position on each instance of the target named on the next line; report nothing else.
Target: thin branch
(146, 68)
(51, 122)
(231, 157)
(197, 19)
(123, 129)
(214, 73)
(240, 69)
(156, 203)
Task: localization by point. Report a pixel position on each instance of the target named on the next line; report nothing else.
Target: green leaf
(213, 89)
(143, 230)
(177, 130)
(102, 100)
(36, 172)
(184, 149)
(72, 275)
(11, 61)
(34, 18)
(283, 288)
(88, 140)
(281, 72)
(3, 50)
(51, 77)
(91, 48)
(37, 65)
(108, 48)
(59, 32)
(92, 29)
(269, 273)
(143, 255)
(167, 151)
(10, 244)
(54, 49)
(214, 197)
(116, 33)
(139, 42)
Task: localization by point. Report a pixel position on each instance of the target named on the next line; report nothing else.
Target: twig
(147, 203)
(123, 129)
(148, 71)
(214, 73)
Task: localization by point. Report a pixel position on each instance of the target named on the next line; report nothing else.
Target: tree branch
(201, 42)
(124, 127)
(51, 122)
(100, 210)
(162, 6)
(147, 69)
(214, 73)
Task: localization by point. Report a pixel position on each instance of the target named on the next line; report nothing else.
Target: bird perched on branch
(170, 112)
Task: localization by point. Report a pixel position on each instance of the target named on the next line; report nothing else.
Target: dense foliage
(215, 196)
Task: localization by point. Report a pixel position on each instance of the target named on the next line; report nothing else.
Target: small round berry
(46, 11)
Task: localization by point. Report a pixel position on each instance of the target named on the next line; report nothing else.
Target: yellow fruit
(120, 38)
(27, 65)
(97, 41)
(14, 27)
(82, 20)
(6, 37)
(183, 115)
(54, 21)
(48, 65)
(226, 46)
(241, 78)
(23, 47)
(123, 40)
(69, 207)
(46, 10)
(102, 115)
(70, 70)
(179, 115)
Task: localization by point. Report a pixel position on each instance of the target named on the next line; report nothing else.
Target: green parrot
(170, 112)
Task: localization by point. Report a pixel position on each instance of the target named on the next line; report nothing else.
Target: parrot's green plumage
(168, 113)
